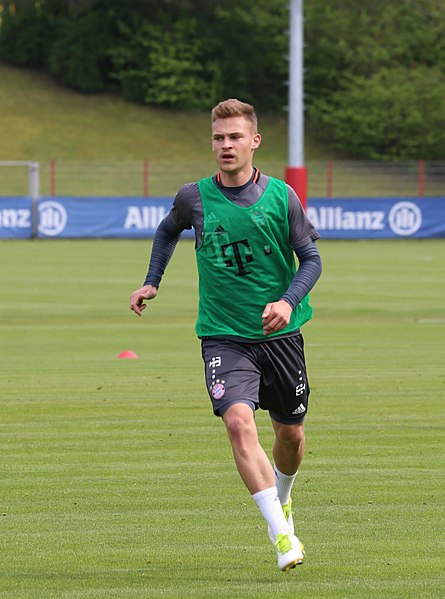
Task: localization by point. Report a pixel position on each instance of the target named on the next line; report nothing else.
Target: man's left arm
(307, 275)
(276, 315)
(302, 236)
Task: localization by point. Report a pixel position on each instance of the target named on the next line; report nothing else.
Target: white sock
(284, 484)
(270, 507)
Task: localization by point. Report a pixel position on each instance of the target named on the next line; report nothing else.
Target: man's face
(233, 141)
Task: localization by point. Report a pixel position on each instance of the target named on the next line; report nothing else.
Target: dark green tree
(375, 76)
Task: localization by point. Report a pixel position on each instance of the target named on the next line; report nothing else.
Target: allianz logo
(11, 218)
(144, 217)
(336, 218)
(404, 218)
(53, 218)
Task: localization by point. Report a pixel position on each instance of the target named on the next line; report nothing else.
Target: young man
(252, 301)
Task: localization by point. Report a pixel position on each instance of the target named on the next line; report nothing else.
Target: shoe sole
(292, 565)
(295, 562)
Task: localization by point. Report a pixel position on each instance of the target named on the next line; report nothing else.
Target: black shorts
(270, 375)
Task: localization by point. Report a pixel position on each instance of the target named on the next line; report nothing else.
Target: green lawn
(100, 142)
(42, 120)
(117, 480)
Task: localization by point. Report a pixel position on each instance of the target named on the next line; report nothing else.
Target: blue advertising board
(136, 217)
(378, 218)
(101, 217)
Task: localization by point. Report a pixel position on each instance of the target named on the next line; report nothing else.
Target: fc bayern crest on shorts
(218, 390)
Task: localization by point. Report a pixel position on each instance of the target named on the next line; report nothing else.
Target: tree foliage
(374, 70)
(375, 78)
(79, 54)
(397, 113)
(162, 66)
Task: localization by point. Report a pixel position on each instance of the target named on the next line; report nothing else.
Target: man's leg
(288, 451)
(257, 474)
(251, 460)
(253, 464)
(288, 448)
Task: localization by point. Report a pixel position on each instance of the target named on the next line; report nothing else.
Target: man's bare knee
(290, 435)
(239, 423)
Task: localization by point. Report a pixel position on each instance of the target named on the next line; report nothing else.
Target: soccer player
(252, 302)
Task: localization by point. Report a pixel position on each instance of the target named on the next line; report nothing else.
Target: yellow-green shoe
(290, 551)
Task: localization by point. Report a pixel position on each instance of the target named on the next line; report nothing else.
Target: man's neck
(236, 179)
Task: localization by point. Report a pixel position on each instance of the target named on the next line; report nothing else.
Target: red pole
(52, 176)
(329, 178)
(296, 177)
(421, 172)
(145, 178)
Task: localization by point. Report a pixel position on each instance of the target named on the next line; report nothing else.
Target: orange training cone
(128, 354)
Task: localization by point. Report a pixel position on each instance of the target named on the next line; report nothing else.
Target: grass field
(99, 142)
(117, 481)
(42, 120)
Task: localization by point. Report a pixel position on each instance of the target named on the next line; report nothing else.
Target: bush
(79, 55)
(374, 79)
(163, 67)
(397, 113)
(26, 35)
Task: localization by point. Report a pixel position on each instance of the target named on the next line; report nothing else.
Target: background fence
(332, 179)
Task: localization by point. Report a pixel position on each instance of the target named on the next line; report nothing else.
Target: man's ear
(256, 141)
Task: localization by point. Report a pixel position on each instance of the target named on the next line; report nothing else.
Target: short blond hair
(233, 107)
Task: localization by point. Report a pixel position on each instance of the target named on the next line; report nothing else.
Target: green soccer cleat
(290, 551)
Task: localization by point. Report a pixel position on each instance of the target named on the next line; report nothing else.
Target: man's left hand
(276, 316)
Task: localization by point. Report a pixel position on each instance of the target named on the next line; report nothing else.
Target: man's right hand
(138, 297)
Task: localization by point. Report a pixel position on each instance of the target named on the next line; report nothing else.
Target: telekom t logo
(239, 253)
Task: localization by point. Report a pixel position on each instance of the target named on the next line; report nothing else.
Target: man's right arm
(186, 213)
(166, 237)
(164, 243)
